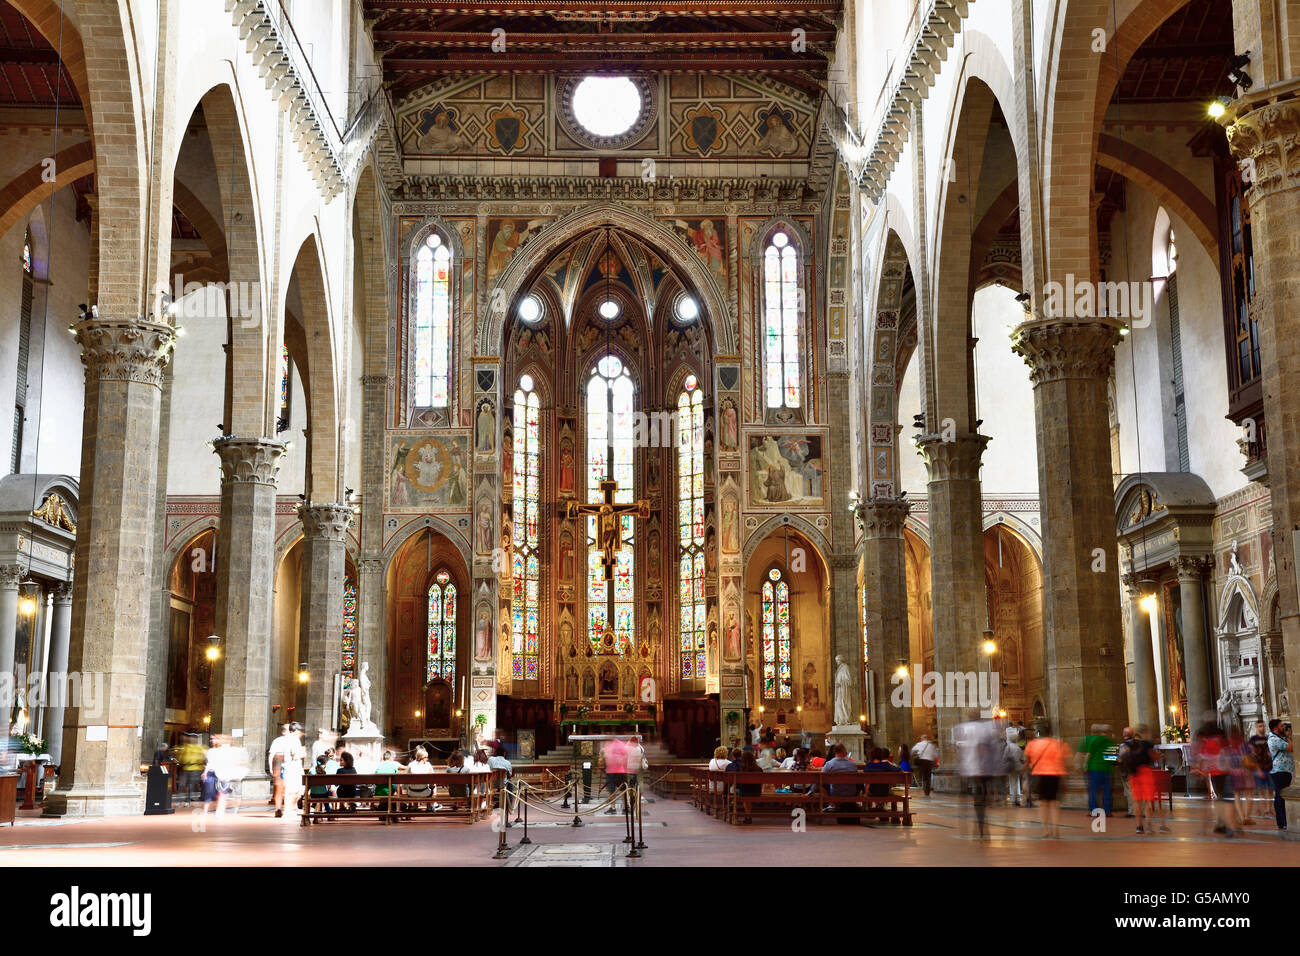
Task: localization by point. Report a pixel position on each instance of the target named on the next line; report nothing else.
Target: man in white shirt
(320, 746)
(924, 754)
(280, 749)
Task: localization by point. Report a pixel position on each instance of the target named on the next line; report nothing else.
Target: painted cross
(609, 528)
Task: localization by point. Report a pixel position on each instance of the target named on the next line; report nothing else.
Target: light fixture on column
(901, 671)
(1218, 107)
(214, 648)
(990, 646)
(303, 674)
(1237, 75)
(28, 592)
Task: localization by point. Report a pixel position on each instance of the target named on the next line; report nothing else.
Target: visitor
(1121, 766)
(499, 761)
(221, 770)
(1282, 765)
(1140, 761)
(419, 765)
(456, 764)
(614, 755)
(332, 761)
(634, 760)
(1262, 759)
(320, 745)
(925, 755)
(767, 760)
(721, 758)
(879, 763)
(904, 758)
(319, 790)
(347, 791)
(275, 755)
(839, 762)
(800, 760)
(1214, 761)
(291, 770)
(1243, 776)
(780, 758)
(747, 764)
(1046, 758)
(980, 762)
(189, 762)
(1098, 752)
(1013, 764)
(387, 765)
(817, 759)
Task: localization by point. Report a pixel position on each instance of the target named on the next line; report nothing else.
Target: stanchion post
(525, 841)
(640, 818)
(577, 819)
(627, 814)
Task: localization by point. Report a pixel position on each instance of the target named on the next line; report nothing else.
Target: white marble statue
(357, 702)
(1229, 709)
(843, 690)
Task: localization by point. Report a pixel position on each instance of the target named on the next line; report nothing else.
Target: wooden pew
(819, 804)
(672, 779)
(399, 804)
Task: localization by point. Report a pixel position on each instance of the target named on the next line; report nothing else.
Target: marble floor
(676, 834)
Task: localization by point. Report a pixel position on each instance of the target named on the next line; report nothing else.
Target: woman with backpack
(1138, 763)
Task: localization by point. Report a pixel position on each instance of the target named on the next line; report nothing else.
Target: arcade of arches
(383, 358)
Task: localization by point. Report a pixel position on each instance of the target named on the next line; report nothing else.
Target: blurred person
(925, 754)
(225, 766)
(1098, 752)
(1138, 762)
(1121, 767)
(319, 745)
(1214, 762)
(980, 761)
(1262, 759)
(291, 770)
(614, 754)
(190, 760)
(816, 759)
(904, 758)
(275, 755)
(1046, 758)
(1243, 777)
(634, 760)
(767, 760)
(1013, 758)
(1282, 765)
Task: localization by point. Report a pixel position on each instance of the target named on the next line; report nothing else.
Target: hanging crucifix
(609, 527)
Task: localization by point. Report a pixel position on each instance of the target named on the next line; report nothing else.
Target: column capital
(884, 517)
(63, 592)
(957, 458)
(377, 381)
(1191, 566)
(370, 566)
(248, 460)
(1056, 350)
(10, 576)
(1132, 581)
(843, 562)
(1264, 135)
(329, 522)
(125, 350)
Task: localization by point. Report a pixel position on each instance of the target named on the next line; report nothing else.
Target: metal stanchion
(634, 851)
(640, 819)
(525, 841)
(627, 814)
(569, 782)
(577, 820)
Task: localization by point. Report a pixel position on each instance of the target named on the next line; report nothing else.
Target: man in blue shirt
(840, 763)
(1280, 749)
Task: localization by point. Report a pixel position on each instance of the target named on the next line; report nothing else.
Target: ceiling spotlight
(918, 420)
(1218, 107)
(1237, 75)
(1023, 297)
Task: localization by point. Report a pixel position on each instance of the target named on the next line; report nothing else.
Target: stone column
(1144, 666)
(155, 701)
(124, 361)
(241, 679)
(60, 625)
(10, 576)
(320, 643)
(957, 570)
(372, 644)
(884, 562)
(1264, 130)
(1191, 591)
(1070, 364)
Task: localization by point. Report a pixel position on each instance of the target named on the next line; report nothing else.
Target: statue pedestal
(852, 737)
(366, 744)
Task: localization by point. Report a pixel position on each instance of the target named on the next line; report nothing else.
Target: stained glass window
(441, 656)
(781, 323)
(27, 251)
(285, 380)
(776, 637)
(349, 628)
(526, 601)
(690, 529)
(432, 323)
(611, 403)
(866, 637)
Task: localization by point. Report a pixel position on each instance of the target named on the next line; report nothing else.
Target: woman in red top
(1046, 757)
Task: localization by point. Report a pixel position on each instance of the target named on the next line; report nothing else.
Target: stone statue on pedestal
(843, 690)
(357, 704)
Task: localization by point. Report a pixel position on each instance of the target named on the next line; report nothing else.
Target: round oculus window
(687, 309)
(530, 309)
(609, 310)
(606, 106)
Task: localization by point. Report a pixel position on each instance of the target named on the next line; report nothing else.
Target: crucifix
(609, 528)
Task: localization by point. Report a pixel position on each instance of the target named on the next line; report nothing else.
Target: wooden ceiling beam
(518, 39)
(496, 63)
(605, 10)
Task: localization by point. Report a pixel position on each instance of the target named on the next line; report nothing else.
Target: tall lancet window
(690, 529)
(525, 606)
(776, 637)
(611, 402)
(781, 323)
(349, 627)
(440, 660)
(432, 325)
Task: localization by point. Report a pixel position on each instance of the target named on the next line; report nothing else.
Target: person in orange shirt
(1046, 757)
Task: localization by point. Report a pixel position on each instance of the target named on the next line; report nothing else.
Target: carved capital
(843, 562)
(327, 522)
(1056, 351)
(884, 517)
(248, 460)
(370, 566)
(376, 381)
(63, 593)
(10, 576)
(1191, 567)
(125, 350)
(1267, 138)
(953, 459)
(1132, 583)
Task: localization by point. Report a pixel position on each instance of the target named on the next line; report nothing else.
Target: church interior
(700, 369)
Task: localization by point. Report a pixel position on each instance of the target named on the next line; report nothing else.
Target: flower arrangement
(583, 711)
(31, 744)
(1176, 734)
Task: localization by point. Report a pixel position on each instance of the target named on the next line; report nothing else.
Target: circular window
(780, 240)
(526, 383)
(691, 383)
(609, 310)
(606, 105)
(687, 309)
(530, 309)
(434, 240)
(605, 112)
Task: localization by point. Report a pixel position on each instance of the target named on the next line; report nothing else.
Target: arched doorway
(192, 605)
(1014, 579)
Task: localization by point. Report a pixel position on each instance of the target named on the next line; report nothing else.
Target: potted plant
(480, 723)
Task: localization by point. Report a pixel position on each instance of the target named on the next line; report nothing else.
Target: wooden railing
(740, 796)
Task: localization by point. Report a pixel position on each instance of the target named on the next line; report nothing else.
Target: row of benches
(740, 796)
(439, 796)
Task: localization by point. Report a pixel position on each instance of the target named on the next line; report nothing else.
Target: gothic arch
(406, 266)
(538, 250)
(320, 377)
(796, 523)
(882, 343)
(1237, 594)
(1019, 527)
(428, 522)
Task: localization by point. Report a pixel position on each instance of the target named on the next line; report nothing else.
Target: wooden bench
(482, 793)
(672, 780)
(720, 793)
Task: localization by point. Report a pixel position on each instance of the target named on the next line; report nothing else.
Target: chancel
(646, 375)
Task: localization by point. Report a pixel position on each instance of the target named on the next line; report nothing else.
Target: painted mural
(504, 237)
(786, 471)
(427, 472)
